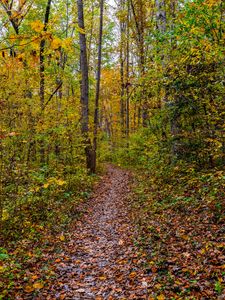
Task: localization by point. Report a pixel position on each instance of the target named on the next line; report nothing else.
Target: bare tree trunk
(84, 86)
(122, 75)
(128, 74)
(98, 79)
(139, 20)
(42, 75)
(122, 85)
(42, 57)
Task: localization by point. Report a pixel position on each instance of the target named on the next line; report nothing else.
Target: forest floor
(101, 262)
(122, 247)
(98, 259)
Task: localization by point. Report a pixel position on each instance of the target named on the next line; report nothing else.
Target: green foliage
(219, 287)
(3, 254)
(45, 201)
(183, 84)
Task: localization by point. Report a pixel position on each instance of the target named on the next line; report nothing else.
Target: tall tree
(139, 18)
(84, 98)
(122, 25)
(98, 79)
(42, 73)
(128, 72)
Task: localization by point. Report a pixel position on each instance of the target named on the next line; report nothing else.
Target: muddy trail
(101, 260)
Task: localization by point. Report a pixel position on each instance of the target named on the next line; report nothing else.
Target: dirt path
(101, 261)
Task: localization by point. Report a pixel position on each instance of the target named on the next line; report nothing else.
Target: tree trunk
(128, 73)
(84, 98)
(42, 76)
(98, 79)
(139, 20)
(160, 15)
(122, 75)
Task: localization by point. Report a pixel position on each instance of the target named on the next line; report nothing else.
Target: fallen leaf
(133, 274)
(34, 277)
(29, 289)
(161, 297)
(62, 238)
(38, 285)
(2, 268)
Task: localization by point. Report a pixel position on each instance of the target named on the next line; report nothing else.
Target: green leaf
(4, 256)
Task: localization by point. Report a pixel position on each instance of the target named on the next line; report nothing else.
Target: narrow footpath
(101, 260)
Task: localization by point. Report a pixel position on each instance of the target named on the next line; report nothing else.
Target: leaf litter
(99, 259)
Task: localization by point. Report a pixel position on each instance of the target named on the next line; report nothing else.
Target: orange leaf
(29, 289)
(133, 274)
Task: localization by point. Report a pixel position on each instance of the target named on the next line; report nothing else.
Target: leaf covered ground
(180, 217)
(96, 259)
(137, 237)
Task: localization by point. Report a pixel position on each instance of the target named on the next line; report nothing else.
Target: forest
(112, 149)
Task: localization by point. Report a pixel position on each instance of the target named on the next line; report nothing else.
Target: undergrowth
(36, 224)
(178, 209)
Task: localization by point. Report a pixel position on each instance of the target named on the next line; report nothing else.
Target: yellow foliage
(38, 285)
(81, 30)
(52, 181)
(46, 185)
(37, 26)
(211, 3)
(56, 43)
(67, 43)
(5, 215)
(60, 182)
